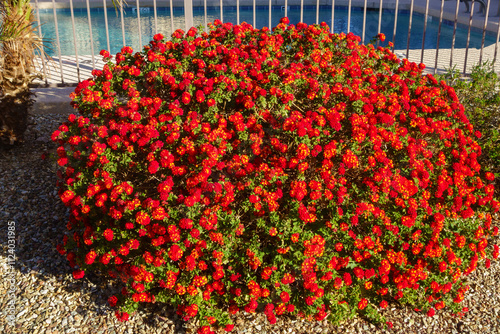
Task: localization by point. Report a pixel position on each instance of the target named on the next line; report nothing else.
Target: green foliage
(480, 96)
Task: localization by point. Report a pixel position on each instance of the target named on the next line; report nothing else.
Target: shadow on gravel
(29, 201)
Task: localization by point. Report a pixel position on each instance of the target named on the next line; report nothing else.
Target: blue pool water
(246, 14)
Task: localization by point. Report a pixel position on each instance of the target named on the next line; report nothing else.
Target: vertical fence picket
(221, 11)
(254, 14)
(349, 8)
(105, 9)
(301, 10)
(188, 14)
(138, 10)
(74, 40)
(237, 11)
(409, 30)
(58, 41)
(439, 36)
(379, 19)
(156, 16)
(395, 24)
(122, 22)
(484, 31)
(468, 35)
(364, 23)
(333, 16)
(317, 11)
(498, 38)
(206, 20)
(425, 29)
(91, 37)
(270, 13)
(42, 57)
(172, 16)
(454, 34)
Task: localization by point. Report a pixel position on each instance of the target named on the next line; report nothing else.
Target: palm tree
(19, 45)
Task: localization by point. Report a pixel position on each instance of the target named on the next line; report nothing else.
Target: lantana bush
(289, 171)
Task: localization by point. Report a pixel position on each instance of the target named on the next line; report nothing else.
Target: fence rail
(80, 28)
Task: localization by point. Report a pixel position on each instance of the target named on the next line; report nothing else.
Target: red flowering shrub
(290, 171)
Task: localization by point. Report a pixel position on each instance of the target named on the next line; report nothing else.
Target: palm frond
(19, 45)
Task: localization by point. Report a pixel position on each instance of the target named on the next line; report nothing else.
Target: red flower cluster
(293, 170)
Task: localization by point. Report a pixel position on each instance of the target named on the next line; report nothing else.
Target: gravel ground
(49, 300)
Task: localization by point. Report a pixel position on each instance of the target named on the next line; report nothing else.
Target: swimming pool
(246, 14)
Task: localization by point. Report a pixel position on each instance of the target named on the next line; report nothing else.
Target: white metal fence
(74, 20)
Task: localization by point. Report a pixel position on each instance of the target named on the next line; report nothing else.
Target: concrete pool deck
(56, 99)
